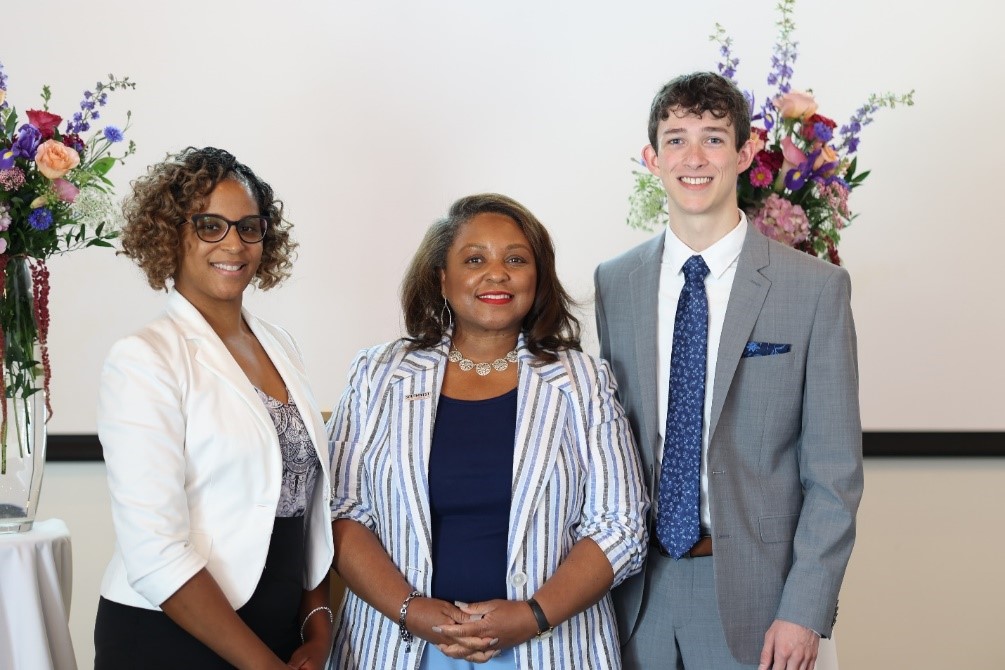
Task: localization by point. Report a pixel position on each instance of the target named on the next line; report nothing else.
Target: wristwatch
(544, 629)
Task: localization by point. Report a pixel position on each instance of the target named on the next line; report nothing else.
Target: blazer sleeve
(141, 427)
(614, 513)
(830, 463)
(346, 430)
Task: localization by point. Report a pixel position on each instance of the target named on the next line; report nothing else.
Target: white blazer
(193, 460)
(576, 475)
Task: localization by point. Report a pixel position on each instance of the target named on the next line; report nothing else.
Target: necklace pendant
(482, 369)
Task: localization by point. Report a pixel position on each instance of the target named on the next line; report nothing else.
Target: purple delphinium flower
(113, 134)
(92, 100)
(28, 139)
(783, 57)
(727, 66)
(849, 133)
(40, 219)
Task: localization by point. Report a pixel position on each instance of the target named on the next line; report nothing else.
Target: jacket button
(518, 579)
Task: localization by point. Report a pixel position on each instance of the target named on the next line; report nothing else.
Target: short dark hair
(180, 186)
(697, 93)
(549, 325)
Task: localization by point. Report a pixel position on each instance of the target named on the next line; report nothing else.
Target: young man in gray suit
(736, 361)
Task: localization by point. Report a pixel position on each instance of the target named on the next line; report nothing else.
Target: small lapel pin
(419, 396)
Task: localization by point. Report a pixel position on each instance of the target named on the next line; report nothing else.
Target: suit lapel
(212, 354)
(414, 390)
(746, 297)
(295, 379)
(540, 424)
(644, 281)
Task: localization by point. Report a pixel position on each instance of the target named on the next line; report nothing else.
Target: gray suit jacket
(785, 440)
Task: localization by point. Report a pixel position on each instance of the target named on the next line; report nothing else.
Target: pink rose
(66, 191)
(756, 140)
(795, 105)
(54, 159)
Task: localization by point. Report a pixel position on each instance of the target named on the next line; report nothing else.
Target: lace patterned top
(300, 460)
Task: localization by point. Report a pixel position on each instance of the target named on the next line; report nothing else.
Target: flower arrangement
(796, 190)
(55, 197)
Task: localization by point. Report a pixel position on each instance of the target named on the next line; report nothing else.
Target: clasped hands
(474, 632)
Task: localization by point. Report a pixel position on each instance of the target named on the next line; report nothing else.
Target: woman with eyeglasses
(214, 445)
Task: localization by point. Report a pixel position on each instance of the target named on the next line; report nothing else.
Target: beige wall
(923, 591)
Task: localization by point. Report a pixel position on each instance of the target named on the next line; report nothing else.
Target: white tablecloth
(36, 573)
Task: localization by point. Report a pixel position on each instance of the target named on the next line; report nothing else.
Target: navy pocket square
(765, 349)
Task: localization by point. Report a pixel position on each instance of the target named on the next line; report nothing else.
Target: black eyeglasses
(213, 227)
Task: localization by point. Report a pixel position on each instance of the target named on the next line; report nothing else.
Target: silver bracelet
(331, 619)
(406, 635)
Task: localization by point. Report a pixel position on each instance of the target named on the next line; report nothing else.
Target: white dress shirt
(721, 260)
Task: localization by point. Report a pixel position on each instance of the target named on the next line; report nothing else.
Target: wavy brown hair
(549, 326)
(179, 187)
(697, 93)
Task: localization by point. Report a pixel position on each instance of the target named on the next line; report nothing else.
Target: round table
(36, 573)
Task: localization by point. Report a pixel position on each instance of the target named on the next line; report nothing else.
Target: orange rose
(3, 95)
(796, 105)
(54, 159)
(756, 141)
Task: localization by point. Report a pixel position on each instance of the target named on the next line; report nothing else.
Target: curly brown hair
(697, 93)
(549, 325)
(180, 186)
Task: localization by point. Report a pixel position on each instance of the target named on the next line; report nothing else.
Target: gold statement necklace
(481, 369)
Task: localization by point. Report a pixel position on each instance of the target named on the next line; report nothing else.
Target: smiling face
(214, 273)
(698, 162)
(490, 276)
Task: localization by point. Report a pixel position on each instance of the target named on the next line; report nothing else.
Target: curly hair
(549, 326)
(179, 187)
(697, 93)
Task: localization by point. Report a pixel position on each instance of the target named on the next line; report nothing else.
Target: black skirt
(133, 637)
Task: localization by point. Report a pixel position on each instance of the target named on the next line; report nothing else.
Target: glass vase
(23, 462)
(22, 428)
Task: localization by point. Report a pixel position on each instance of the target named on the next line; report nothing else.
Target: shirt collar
(717, 257)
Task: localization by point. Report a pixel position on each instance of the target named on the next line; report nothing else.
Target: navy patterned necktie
(677, 522)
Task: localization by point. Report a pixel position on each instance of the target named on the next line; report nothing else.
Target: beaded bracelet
(406, 635)
(331, 619)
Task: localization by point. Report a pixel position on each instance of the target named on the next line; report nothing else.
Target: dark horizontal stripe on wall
(875, 444)
(941, 444)
(63, 447)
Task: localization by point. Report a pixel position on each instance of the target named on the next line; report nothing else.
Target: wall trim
(875, 444)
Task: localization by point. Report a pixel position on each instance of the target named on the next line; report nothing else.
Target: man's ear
(651, 159)
(745, 157)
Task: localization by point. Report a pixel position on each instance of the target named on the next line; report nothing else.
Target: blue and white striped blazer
(576, 475)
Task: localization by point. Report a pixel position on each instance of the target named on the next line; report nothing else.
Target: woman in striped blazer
(484, 502)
